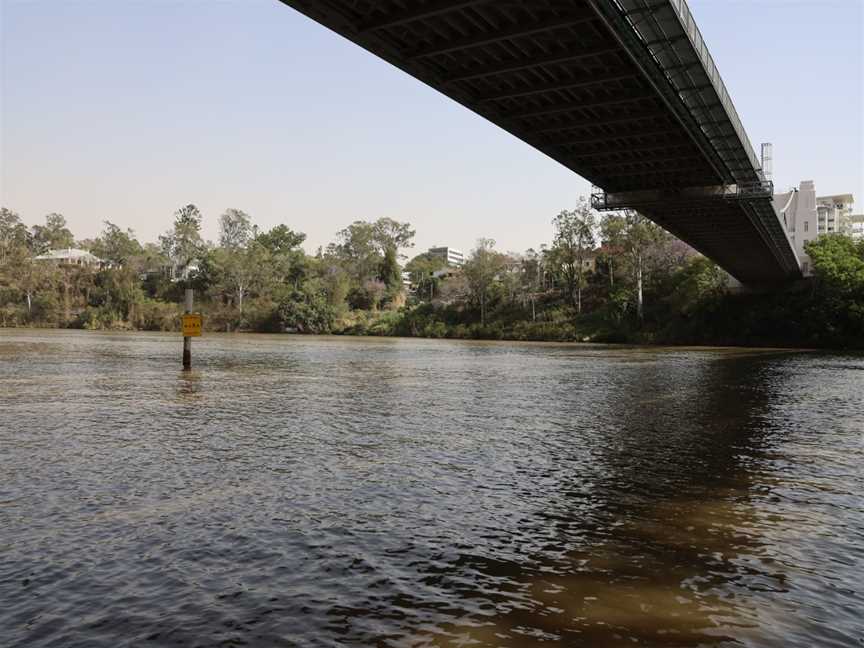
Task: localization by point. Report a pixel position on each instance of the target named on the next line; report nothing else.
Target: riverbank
(688, 307)
(666, 295)
(792, 319)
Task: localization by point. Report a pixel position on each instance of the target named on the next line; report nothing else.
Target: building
(71, 256)
(797, 207)
(856, 227)
(454, 258)
(834, 213)
(807, 216)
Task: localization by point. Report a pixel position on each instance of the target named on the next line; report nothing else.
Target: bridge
(622, 92)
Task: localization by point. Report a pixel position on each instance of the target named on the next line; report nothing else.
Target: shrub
(152, 315)
(306, 312)
(12, 315)
(435, 330)
(100, 318)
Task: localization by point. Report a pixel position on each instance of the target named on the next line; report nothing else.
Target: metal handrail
(692, 30)
(750, 190)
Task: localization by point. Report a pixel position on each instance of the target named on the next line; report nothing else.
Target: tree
(369, 296)
(573, 243)
(357, 251)
(14, 235)
(531, 279)
(510, 278)
(54, 235)
(238, 272)
(612, 232)
(838, 268)
(327, 272)
(422, 270)
(235, 229)
(19, 272)
(698, 281)
(32, 277)
(116, 246)
(183, 243)
(389, 271)
(242, 264)
(75, 283)
(481, 269)
(281, 240)
(362, 246)
(307, 310)
(118, 290)
(288, 262)
(391, 234)
(635, 236)
(838, 264)
(532, 270)
(118, 287)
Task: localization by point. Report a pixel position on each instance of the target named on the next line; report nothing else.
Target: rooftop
(69, 254)
(838, 198)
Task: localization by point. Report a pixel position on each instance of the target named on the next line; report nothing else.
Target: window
(806, 226)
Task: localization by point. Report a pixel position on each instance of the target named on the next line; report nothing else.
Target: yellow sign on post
(192, 325)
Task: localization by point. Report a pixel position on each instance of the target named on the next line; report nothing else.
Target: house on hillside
(71, 256)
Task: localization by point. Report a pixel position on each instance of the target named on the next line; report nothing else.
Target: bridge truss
(622, 92)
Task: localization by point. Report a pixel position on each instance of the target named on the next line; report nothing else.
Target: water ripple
(296, 491)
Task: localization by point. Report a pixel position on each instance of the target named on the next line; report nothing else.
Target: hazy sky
(125, 110)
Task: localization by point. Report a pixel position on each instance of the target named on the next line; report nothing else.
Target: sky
(125, 110)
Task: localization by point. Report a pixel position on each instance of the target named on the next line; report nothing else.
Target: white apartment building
(807, 216)
(797, 207)
(856, 226)
(453, 257)
(834, 213)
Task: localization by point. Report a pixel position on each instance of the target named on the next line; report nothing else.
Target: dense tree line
(609, 277)
(248, 279)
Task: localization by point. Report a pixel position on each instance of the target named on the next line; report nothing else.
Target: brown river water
(303, 491)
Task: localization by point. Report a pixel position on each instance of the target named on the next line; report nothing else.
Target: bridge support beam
(603, 201)
(724, 222)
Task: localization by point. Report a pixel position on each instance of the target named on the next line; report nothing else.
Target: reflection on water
(188, 385)
(297, 491)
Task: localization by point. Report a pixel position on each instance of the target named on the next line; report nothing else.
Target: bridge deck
(619, 92)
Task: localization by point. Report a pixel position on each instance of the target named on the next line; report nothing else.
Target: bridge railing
(759, 190)
(751, 190)
(695, 36)
(599, 201)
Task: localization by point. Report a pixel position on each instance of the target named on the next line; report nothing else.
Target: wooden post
(187, 341)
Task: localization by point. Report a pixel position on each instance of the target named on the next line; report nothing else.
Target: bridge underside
(568, 79)
(717, 222)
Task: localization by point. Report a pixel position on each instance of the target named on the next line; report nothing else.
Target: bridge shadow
(657, 544)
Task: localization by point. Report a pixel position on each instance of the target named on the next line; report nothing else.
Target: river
(325, 491)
